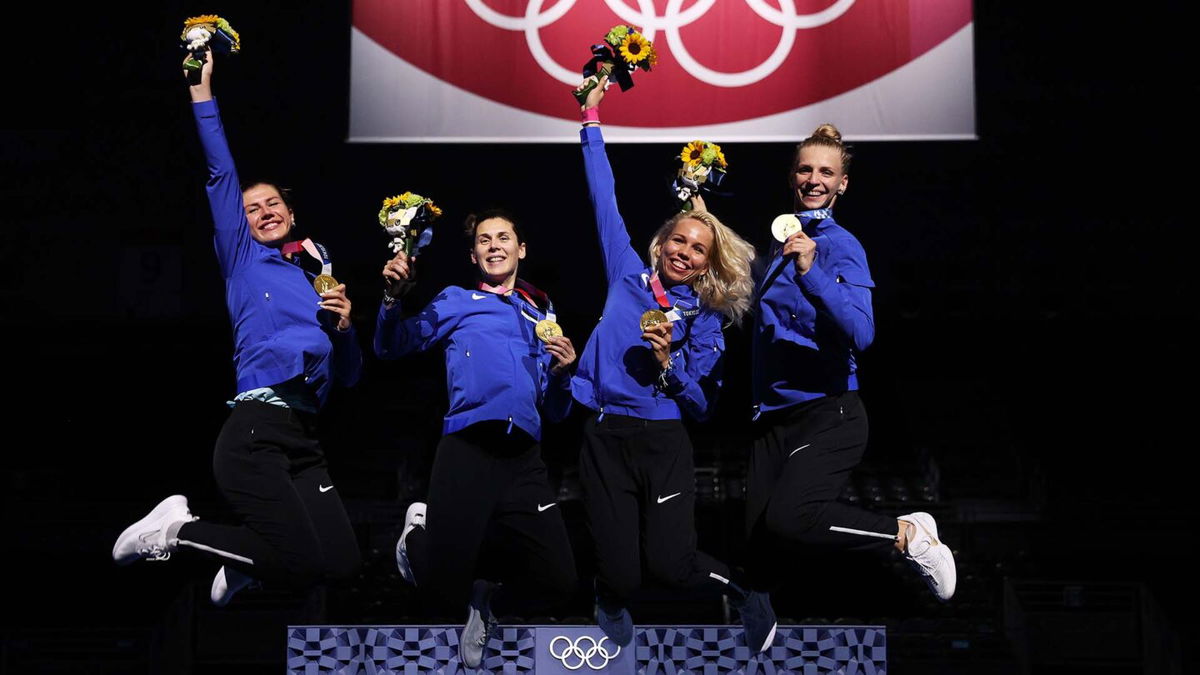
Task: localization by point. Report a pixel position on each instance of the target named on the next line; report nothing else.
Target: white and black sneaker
(480, 625)
(227, 582)
(413, 518)
(930, 556)
(154, 536)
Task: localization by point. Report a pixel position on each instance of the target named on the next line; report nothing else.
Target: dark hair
(471, 225)
(828, 136)
(284, 193)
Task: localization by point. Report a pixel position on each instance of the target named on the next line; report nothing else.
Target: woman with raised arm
(490, 516)
(292, 339)
(655, 354)
(814, 317)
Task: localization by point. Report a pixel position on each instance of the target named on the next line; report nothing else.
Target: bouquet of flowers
(703, 166)
(408, 218)
(624, 50)
(207, 32)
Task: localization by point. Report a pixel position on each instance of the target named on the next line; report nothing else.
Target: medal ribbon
(528, 291)
(314, 249)
(660, 296)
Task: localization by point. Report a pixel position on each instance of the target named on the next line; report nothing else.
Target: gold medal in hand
(652, 317)
(546, 329)
(324, 283)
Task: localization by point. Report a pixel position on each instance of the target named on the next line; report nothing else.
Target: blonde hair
(827, 136)
(726, 285)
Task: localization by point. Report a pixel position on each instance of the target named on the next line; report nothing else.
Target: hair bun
(829, 131)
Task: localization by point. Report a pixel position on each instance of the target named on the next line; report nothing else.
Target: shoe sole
(770, 638)
(166, 505)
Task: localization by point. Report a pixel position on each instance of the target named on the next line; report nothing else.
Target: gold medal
(547, 329)
(652, 317)
(785, 226)
(324, 283)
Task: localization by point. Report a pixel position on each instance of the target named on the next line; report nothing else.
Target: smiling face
(269, 216)
(497, 251)
(818, 177)
(684, 252)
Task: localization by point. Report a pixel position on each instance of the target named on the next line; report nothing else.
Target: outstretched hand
(203, 91)
(596, 95)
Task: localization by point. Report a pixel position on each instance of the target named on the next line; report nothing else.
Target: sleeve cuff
(816, 282)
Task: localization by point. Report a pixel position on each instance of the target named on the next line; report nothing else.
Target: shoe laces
(155, 553)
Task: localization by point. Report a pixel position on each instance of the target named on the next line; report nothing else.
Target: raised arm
(232, 234)
(619, 257)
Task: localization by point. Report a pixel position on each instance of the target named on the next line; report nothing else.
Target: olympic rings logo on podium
(670, 23)
(574, 650)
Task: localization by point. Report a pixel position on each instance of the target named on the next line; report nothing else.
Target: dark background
(1029, 363)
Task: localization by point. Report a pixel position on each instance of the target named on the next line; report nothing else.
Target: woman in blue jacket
(291, 343)
(636, 464)
(814, 317)
(488, 483)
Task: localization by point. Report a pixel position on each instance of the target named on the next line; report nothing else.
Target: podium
(567, 650)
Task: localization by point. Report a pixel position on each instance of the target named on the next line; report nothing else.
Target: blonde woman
(638, 380)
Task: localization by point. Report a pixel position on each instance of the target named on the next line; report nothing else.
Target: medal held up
(408, 219)
(623, 51)
(201, 33)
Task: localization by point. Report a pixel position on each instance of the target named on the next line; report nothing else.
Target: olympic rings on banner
(670, 23)
(574, 650)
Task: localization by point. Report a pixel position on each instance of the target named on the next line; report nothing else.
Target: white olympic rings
(675, 18)
(573, 650)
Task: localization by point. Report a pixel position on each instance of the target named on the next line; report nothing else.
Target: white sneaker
(413, 518)
(147, 538)
(227, 582)
(930, 556)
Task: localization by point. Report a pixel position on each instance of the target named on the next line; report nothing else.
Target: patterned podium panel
(568, 650)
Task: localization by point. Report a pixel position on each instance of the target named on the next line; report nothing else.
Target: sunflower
(692, 152)
(206, 20)
(651, 58)
(391, 202)
(635, 48)
(437, 213)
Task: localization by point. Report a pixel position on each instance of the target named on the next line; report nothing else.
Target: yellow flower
(652, 58)
(437, 213)
(635, 48)
(391, 202)
(721, 159)
(209, 21)
(691, 153)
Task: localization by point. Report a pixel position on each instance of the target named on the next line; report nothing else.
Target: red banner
(720, 63)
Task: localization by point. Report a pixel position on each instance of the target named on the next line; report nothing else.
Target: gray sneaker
(480, 625)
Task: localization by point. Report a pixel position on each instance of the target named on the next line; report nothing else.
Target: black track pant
(294, 530)
(639, 490)
(492, 515)
(801, 461)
